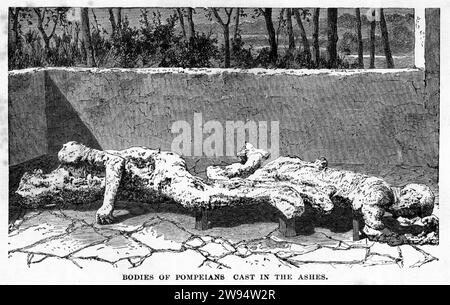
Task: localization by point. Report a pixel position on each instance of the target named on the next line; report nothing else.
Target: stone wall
(27, 122)
(369, 121)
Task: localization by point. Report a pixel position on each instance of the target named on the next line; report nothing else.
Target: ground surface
(147, 236)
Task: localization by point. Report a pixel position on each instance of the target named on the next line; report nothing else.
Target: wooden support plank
(287, 226)
(355, 229)
(201, 219)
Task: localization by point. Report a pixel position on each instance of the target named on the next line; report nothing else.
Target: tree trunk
(11, 35)
(271, 33)
(181, 17)
(95, 21)
(306, 49)
(40, 25)
(226, 31)
(90, 61)
(46, 45)
(112, 20)
(191, 28)
(316, 36)
(119, 19)
(360, 41)
(226, 37)
(290, 31)
(76, 33)
(236, 23)
(385, 35)
(332, 37)
(13, 26)
(372, 41)
(280, 25)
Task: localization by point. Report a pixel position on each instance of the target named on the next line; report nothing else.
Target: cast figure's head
(250, 150)
(413, 200)
(71, 152)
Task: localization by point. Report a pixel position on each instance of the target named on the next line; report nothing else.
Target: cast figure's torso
(347, 184)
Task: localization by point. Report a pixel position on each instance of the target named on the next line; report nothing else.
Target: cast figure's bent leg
(373, 208)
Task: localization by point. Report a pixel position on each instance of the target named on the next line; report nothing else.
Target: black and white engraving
(210, 139)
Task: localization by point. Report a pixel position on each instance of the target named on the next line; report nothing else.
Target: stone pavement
(146, 236)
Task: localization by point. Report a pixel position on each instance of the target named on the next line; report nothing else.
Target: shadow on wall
(63, 125)
(63, 122)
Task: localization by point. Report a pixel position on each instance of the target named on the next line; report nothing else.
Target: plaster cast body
(147, 175)
(368, 196)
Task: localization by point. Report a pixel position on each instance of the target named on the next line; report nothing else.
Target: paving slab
(114, 249)
(153, 236)
(326, 255)
(377, 259)
(215, 250)
(64, 245)
(385, 250)
(280, 248)
(162, 236)
(195, 242)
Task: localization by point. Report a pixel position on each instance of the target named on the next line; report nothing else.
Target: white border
(428, 274)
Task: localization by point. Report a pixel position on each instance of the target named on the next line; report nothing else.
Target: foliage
(198, 52)
(126, 46)
(348, 43)
(159, 43)
(241, 57)
(402, 39)
(263, 59)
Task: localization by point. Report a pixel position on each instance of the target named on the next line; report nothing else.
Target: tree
(306, 49)
(372, 41)
(385, 35)
(43, 22)
(281, 24)
(112, 20)
(267, 13)
(332, 37)
(119, 19)
(115, 25)
(181, 19)
(290, 31)
(236, 23)
(13, 27)
(360, 41)
(97, 28)
(316, 36)
(226, 30)
(86, 34)
(191, 27)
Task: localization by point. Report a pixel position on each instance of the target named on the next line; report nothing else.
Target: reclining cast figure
(146, 175)
(368, 196)
(143, 175)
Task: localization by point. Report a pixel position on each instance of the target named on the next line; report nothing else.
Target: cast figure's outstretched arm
(73, 153)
